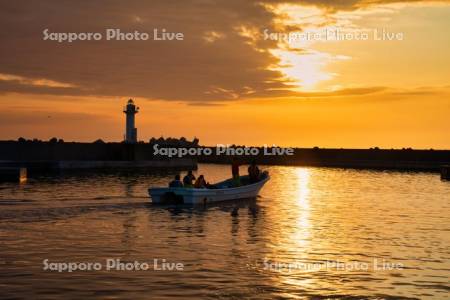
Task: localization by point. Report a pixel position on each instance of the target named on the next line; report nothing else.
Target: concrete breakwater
(405, 159)
(72, 155)
(49, 156)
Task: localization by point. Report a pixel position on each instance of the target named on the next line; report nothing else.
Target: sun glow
(309, 58)
(305, 69)
(298, 62)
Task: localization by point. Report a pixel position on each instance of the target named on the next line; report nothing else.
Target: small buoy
(253, 210)
(13, 174)
(445, 172)
(235, 211)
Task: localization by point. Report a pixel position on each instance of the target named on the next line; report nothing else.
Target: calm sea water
(313, 233)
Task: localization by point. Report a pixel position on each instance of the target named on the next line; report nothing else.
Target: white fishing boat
(222, 191)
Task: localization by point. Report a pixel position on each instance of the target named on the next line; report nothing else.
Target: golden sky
(236, 77)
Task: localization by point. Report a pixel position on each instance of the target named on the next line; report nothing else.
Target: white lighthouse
(130, 131)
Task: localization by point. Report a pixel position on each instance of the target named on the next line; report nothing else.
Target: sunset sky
(227, 81)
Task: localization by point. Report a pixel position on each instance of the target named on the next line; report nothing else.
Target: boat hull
(204, 196)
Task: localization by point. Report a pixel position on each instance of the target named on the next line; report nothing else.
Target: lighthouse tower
(130, 131)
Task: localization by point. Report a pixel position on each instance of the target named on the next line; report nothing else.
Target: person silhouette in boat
(188, 180)
(253, 172)
(201, 183)
(176, 182)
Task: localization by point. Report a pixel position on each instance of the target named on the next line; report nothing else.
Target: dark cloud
(343, 92)
(186, 70)
(17, 87)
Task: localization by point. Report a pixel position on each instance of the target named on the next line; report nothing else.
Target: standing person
(188, 180)
(235, 172)
(253, 172)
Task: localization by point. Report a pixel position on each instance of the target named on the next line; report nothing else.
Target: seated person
(188, 180)
(253, 172)
(176, 182)
(201, 183)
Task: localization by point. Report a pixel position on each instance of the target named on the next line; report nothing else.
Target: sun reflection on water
(302, 234)
(296, 251)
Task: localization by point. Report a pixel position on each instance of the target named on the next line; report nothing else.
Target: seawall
(407, 159)
(72, 155)
(48, 156)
